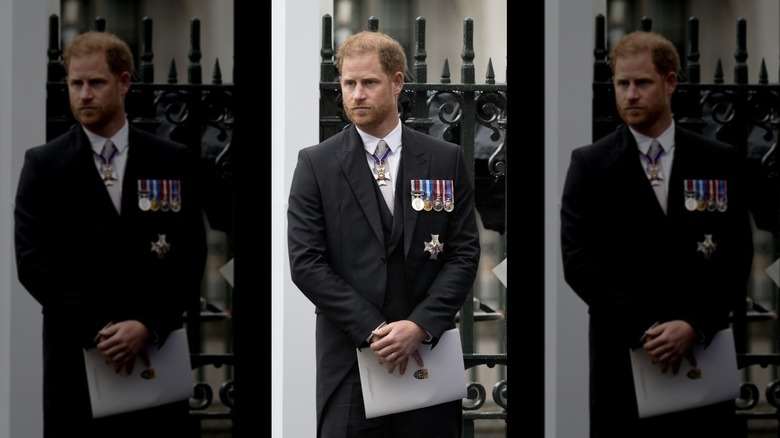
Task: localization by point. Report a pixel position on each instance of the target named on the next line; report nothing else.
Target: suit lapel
(352, 159)
(682, 160)
(639, 189)
(91, 182)
(416, 165)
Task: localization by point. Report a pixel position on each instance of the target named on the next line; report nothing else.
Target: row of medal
(432, 194)
(159, 194)
(706, 195)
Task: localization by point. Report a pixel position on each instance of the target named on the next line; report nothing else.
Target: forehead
(361, 66)
(88, 65)
(635, 65)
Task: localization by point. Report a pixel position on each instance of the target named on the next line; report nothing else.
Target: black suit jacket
(87, 265)
(339, 250)
(632, 265)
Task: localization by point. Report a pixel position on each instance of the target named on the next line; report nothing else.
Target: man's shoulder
(685, 136)
(614, 140)
(141, 136)
(58, 145)
(427, 141)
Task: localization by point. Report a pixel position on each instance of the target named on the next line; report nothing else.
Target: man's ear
(671, 82)
(398, 82)
(124, 82)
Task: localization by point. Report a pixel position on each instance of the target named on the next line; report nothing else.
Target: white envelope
(715, 378)
(441, 379)
(166, 380)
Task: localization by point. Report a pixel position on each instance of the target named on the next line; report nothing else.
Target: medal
(711, 195)
(707, 246)
(690, 203)
(161, 246)
(165, 205)
(144, 203)
(434, 246)
(175, 198)
(427, 204)
(143, 195)
(417, 194)
(690, 195)
(379, 168)
(721, 204)
(449, 205)
(438, 205)
(700, 204)
(654, 173)
(155, 202)
(108, 174)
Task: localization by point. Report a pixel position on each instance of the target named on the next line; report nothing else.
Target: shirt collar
(393, 139)
(666, 139)
(120, 139)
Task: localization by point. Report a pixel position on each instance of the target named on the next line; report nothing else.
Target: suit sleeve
(591, 276)
(313, 225)
(35, 253)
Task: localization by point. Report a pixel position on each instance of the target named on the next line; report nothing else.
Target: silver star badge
(707, 246)
(161, 246)
(434, 246)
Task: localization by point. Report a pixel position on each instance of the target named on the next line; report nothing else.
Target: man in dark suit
(116, 276)
(386, 271)
(676, 261)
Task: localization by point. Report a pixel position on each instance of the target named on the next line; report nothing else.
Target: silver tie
(380, 157)
(108, 172)
(655, 173)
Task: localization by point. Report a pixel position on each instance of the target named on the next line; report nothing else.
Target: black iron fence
(199, 116)
(747, 116)
(473, 116)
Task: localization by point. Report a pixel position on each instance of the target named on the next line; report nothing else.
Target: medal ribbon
(384, 157)
(107, 173)
(165, 183)
(700, 191)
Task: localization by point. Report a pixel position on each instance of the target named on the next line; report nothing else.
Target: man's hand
(395, 342)
(667, 343)
(122, 342)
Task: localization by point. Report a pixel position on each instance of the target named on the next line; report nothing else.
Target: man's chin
(360, 121)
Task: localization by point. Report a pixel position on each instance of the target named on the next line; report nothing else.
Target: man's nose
(360, 92)
(631, 92)
(85, 93)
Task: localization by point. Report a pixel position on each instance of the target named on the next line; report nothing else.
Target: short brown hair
(118, 54)
(664, 53)
(391, 55)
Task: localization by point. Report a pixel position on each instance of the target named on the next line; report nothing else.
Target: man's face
(370, 96)
(96, 94)
(642, 94)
